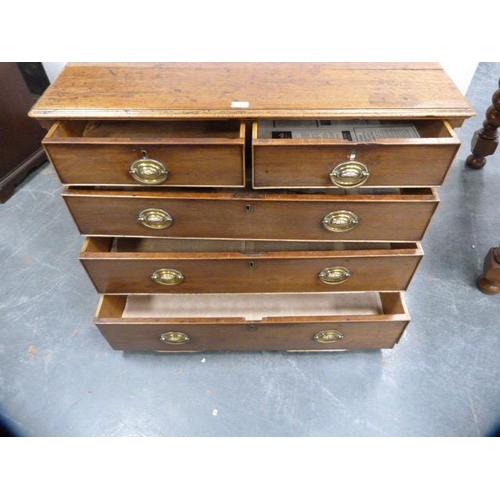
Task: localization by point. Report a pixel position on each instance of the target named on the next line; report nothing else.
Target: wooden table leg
(485, 140)
(484, 143)
(489, 281)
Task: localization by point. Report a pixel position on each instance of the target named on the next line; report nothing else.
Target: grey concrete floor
(59, 377)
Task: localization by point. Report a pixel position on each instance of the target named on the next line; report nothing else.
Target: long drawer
(394, 217)
(380, 162)
(128, 153)
(304, 322)
(143, 265)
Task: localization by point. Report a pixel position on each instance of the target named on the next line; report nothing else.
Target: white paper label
(240, 104)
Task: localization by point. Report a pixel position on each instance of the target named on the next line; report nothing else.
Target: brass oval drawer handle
(148, 171)
(340, 221)
(175, 338)
(167, 277)
(349, 174)
(334, 275)
(328, 336)
(155, 218)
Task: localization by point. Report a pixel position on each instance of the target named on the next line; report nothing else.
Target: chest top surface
(251, 90)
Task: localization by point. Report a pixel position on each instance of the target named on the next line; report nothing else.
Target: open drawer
(307, 322)
(143, 265)
(308, 154)
(151, 153)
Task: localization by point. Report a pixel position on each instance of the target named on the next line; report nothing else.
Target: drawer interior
(361, 131)
(153, 245)
(244, 195)
(249, 307)
(199, 129)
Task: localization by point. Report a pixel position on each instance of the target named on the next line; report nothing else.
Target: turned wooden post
(484, 143)
(485, 140)
(489, 281)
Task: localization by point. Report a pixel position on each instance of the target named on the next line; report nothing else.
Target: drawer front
(376, 166)
(176, 154)
(173, 165)
(217, 272)
(378, 331)
(280, 337)
(322, 163)
(324, 218)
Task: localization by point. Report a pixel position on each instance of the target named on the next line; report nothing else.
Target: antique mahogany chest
(251, 206)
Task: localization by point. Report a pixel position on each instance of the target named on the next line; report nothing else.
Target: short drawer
(338, 163)
(128, 153)
(303, 322)
(395, 217)
(143, 265)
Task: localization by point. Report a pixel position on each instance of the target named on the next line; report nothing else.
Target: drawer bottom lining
(251, 307)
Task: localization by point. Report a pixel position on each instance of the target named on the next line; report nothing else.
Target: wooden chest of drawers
(252, 206)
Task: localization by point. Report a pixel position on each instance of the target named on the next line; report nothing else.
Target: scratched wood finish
(395, 217)
(288, 163)
(232, 272)
(208, 90)
(190, 159)
(108, 112)
(381, 331)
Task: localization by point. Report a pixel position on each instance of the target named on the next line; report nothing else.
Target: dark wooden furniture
(203, 233)
(484, 143)
(485, 140)
(489, 281)
(20, 148)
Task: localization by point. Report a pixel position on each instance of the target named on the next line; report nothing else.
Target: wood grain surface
(234, 272)
(307, 163)
(378, 331)
(389, 217)
(209, 90)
